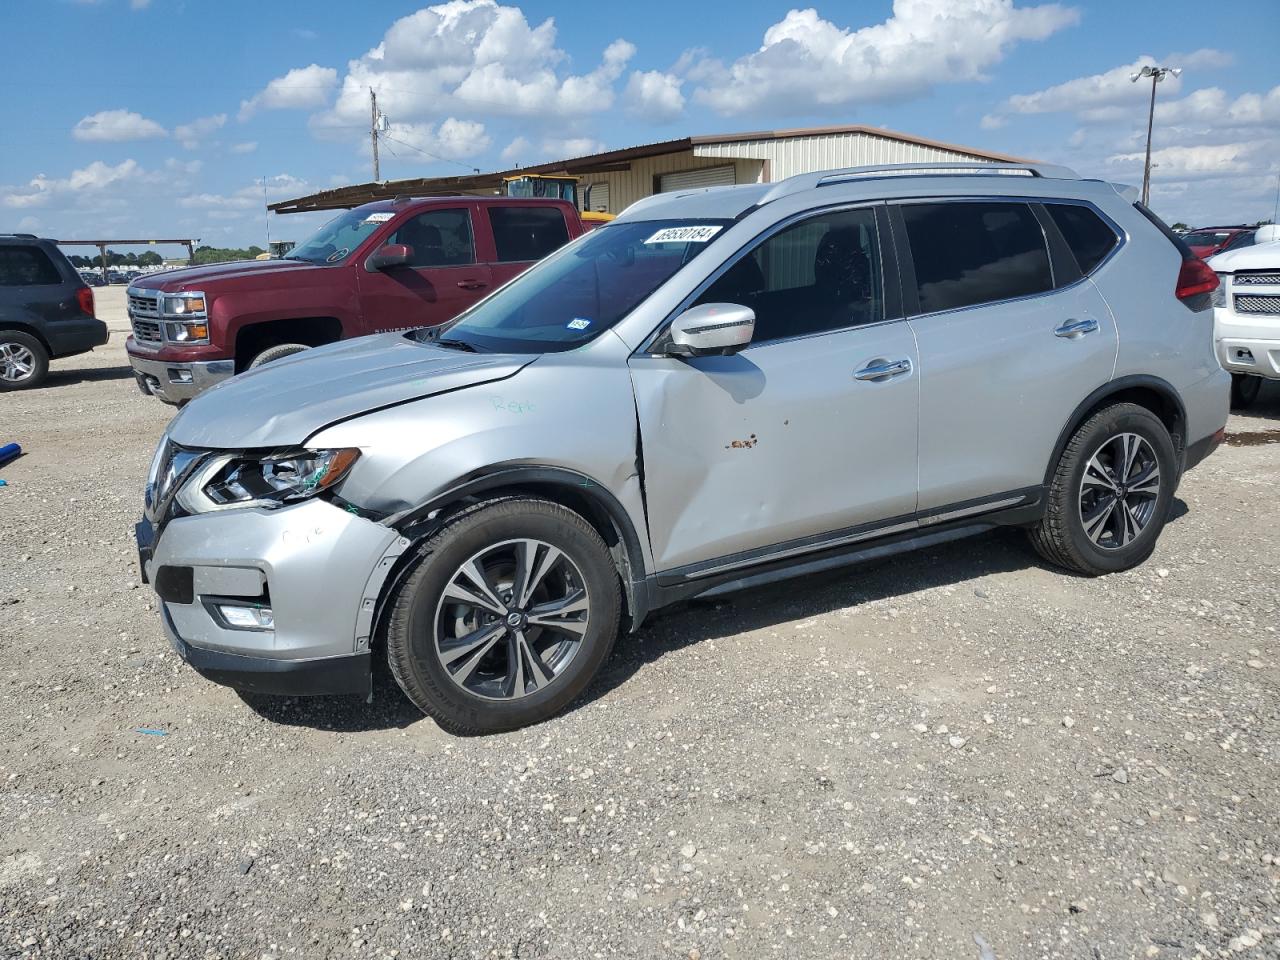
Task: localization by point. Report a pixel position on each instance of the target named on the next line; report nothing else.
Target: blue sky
(164, 117)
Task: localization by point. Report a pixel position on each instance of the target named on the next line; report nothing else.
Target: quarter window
(817, 275)
(967, 253)
(1088, 236)
(25, 267)
(527, 233)
(439, 238)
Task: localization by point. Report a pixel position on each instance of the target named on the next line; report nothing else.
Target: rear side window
(527, 233)
(26, 267)
(967, 253)
(1086, 233)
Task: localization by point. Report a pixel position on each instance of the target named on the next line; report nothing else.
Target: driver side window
(817, 275)
(439, 238)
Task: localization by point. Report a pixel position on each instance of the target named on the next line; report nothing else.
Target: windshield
(334, 242)
(583, 289)
(1206, 238)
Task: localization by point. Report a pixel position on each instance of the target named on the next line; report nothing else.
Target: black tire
(413, 626)
(278, 352)
(1060, 536)
(1245, 388)
(27, 350)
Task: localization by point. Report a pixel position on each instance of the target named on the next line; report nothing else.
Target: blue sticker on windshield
(578, 323)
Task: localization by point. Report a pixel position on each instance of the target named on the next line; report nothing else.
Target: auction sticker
(578, 323)
(697, 234)
(379, 217)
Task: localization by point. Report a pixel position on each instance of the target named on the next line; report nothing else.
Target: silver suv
(720, 388)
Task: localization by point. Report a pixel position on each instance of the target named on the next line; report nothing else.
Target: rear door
(522, 234)
(1011, 340)
(441, 280)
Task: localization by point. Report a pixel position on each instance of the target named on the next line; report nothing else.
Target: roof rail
(823, 178)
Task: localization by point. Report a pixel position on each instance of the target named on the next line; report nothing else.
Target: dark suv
(46, 310)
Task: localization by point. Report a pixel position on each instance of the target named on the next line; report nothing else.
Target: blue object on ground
(4, 483)
(152, 732)
(9, 451)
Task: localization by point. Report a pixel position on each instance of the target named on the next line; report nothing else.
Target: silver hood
(287, 401)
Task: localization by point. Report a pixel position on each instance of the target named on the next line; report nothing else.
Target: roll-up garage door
(596, 197)
(693, 179)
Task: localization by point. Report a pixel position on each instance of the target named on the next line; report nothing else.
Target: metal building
(609, 182)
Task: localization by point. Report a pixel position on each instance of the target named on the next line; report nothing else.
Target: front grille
(146, 331)
(141, 305)
(1248, 279)
(1253, 304)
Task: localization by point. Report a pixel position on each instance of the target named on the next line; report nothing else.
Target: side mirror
(711, 329)
(392, 255)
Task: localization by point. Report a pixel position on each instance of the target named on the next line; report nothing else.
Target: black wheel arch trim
(1098, 397)
(417, 522)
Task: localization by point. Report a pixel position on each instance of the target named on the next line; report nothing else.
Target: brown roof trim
(853, 128)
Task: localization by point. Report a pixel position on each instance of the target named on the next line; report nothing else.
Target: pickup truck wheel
(24, 362)
(1244, 390)
(508, 616)
(1110, 493)
(278, 352)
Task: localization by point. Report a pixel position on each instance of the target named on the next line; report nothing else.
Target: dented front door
(785, 440)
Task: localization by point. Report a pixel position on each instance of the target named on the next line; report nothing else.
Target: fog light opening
(1244, 355)
(177, 375)
(247, 618)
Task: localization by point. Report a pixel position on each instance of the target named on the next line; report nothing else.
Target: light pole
(1156, 74)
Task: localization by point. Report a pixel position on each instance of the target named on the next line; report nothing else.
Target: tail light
(1195, 278)
(84, 296)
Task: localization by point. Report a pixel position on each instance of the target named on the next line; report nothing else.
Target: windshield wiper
(455, 344)
(299, 259)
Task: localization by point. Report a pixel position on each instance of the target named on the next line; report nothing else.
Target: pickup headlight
(1218, 297)
(187, 332)
(271, 480)
(184, 305)
(193, 328)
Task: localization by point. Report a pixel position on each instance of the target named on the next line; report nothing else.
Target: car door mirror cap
(392, 255)
(711, 329)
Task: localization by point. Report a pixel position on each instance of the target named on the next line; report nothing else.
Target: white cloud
(453, 139)
(471, 57)
(517, 151)
(992, 121)
(192, 134)
(564, 148)
(300, 88)
(29, 224)
(41, 189)
(805, 59)
(249, 197)
(1209, 161)
(117, 126)
(654, 96)
(139, 4)
(247, 146)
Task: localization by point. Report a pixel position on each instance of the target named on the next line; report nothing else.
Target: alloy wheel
(1119, 491)
(511, 619)
(17, 362)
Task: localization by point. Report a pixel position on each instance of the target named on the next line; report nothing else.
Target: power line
(427, 153)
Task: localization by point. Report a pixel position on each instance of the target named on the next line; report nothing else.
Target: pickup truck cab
(388, 265)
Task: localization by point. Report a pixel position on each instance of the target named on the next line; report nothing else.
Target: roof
(609, 161)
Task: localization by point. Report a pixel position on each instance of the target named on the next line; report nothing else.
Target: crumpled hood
(1262, 256)
(285, 402)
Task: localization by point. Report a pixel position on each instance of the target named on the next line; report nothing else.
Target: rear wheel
(1244, 390)
(24, 362)
(509, 615)
(278, 352)
(1110, 493)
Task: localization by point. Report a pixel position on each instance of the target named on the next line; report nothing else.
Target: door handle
(1074, 329)
(472, 284)
(883, 369)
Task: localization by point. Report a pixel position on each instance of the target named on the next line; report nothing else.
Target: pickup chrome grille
(146, 331)
(141, 305)
(1256, 304)
(1248, 279)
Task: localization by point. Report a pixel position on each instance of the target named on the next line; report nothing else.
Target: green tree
(150, 259)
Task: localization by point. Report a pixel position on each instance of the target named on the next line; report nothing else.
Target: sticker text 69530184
(700, 233)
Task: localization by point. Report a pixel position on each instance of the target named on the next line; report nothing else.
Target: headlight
(188, 332)
(1219, 295)
(269, 481)
(185, 305)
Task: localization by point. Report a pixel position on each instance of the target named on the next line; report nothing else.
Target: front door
(808, 431)
(441, 280)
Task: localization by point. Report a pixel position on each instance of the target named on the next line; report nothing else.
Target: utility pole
(373, 132)
(1156, 74)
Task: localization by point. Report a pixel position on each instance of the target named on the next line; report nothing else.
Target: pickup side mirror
(711, 329)
(392, 255)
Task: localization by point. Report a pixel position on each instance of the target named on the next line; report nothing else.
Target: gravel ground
(957, 754)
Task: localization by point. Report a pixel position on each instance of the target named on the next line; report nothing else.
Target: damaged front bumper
(313, 574)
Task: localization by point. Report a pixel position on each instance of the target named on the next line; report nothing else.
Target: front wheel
(278, 352)
(510, 613)
(1110, 493)
(1244, 390)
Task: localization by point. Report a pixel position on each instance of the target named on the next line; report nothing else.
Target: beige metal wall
(795, 155)
(628, 186)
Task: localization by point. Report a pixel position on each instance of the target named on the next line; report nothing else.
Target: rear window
(26, 267)
(527, 233)
(1086, 233)
(967, 253)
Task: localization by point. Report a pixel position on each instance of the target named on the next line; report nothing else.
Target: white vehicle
(1246, 330)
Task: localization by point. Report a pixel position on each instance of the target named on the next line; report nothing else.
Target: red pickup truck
(388, 265)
